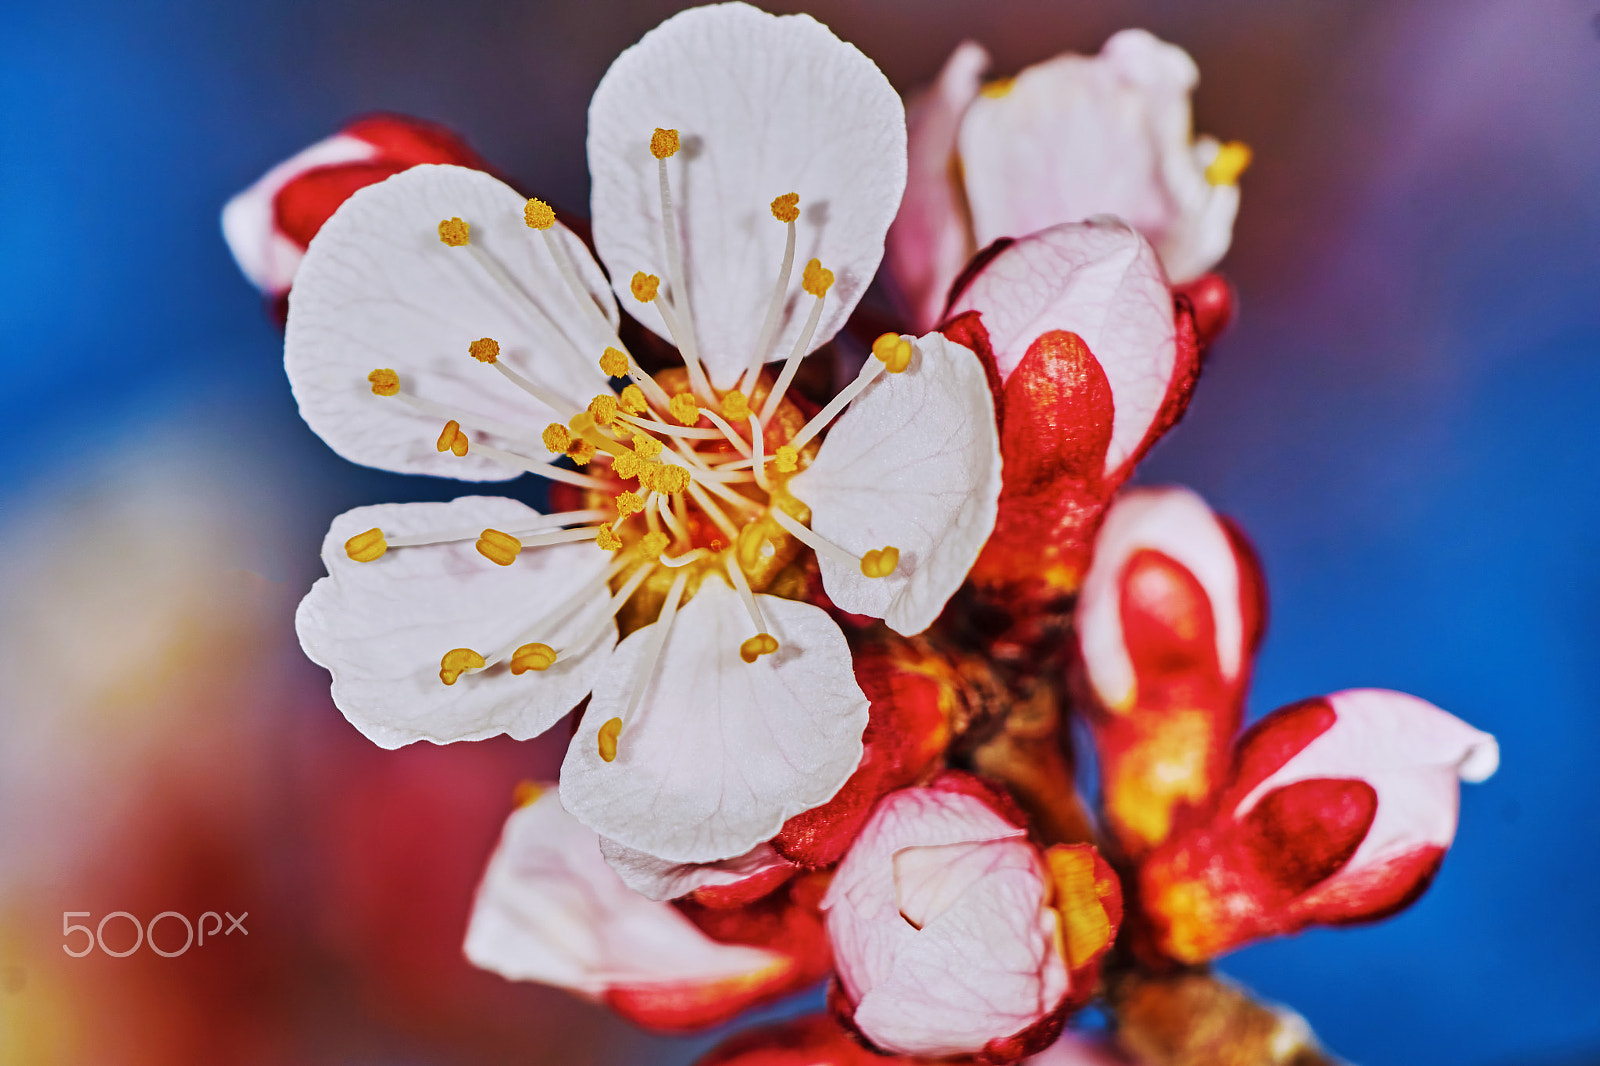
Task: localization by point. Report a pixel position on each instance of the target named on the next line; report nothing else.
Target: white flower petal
(381, 627)
(721, 752)
(551, 910)
(656, 878)
(764, 106)
(1178, 524)
(931, 240)
(1102, 281)
(379, 289)
(1081, 136)
(914, 463)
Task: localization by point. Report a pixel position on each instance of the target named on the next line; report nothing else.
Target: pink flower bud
(1338, 810)
(952, 934)
(1167, 623)
(269, 225)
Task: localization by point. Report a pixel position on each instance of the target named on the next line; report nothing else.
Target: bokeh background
(1403, 419)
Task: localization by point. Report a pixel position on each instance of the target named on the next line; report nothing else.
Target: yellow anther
(580, 452)
(685, 408)
(538, 214)
(757, 646)
(1231, 161)
(532, 657)
(735, 406)
(671, 479)
(365, 547)
(647, 446)
(629, 503)
(664, 143)
(653, 545)
(647, 472)
(626, 465)
(454, 232)
(880, 562)
(526, 794)
(458, 661)
(452, 439)
(604, 408)
(607, 538)
(632, 400)
(384, 382)
(609, 734)
(998, 88)
(557, 437)
(787, 459)
(816, 279)
(894, 351)
(497, 547)
(484, 349)
(614, 362)
(786, 208)
(644, 286)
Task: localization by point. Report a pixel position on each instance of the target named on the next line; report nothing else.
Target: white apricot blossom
(726, 147)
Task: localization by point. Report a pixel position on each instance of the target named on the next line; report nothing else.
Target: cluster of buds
(904, 815)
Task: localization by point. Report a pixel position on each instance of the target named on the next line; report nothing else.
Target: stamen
(757, 646)
(538, 214)
(763, 643)
(654, 543)
(562, 406)
(604, 408)
(538, 524)
(644, 286)
(632, 401)
(869, 373)
(684, 408)
(458, 661)
(685, 559)
(366, 547)
(484, 349)
(894, 351)
(715, 513)
(674, 522)
(1230, 162)
(454, 232)
(557, 437)
(787, 459)
(385, 382)
(728, 432)
(615, 604)
(786, 209)
(758, 462)
(499, 548)
(504, 430)
(543, 467)
(629, 503)
(735, 406)
(607, 538)
(678, 330)
(583, 425)
(817, 282)
(614, 363)
(609, 734)
(883, 560)
(580, 452)
(667, 429)
(532, 657)
(658, 638)
(664, 144)
(583, 595)
(452, 439)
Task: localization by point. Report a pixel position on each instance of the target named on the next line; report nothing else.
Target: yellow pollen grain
(1231, 161)
(607, 538)
(647, 446)
(646, 471)
(604, 408)
(664, 143)
(685, 408)
(580, 452)
(556, 437)
(484, 349)
(452, 439)
(757, 646)
(532, 657)
(736, 405)
(671, 479)
(644, 286)
(653, 545)
(526, 794)
(365, 547)
(786, 208)
(454, 232)
(880, 562)
(497, 547)
(816, 279)
(609, 734)
(632, 400)
(538, 214)
(894, 351)
(385, 382)
(787, 459)
(458, 661)
(614, 363)
(629, 503)
(626, 465)
(994, 90)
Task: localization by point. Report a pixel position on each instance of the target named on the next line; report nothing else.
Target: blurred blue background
(1402, 418)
